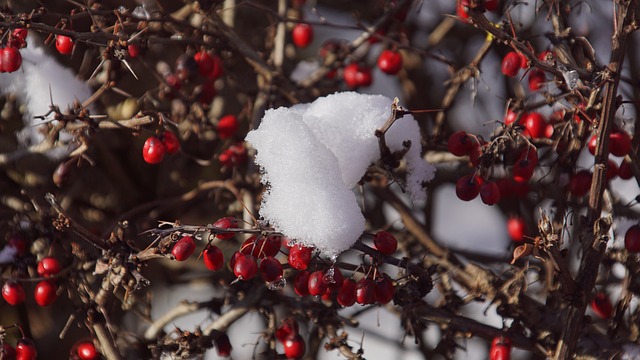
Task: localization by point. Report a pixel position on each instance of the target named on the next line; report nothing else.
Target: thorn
(130, 69)
(96, 70)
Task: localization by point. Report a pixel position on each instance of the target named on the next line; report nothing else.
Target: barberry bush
(201, 179)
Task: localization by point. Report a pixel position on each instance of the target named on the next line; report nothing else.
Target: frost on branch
(312, 155)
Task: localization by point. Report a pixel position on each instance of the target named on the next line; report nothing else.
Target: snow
(39, 79)
(313, 155)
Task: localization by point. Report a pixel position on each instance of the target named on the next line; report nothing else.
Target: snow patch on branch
(312, 155)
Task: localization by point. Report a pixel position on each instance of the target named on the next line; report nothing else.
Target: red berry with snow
(299, 256)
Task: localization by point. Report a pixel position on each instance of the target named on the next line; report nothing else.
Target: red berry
(511, 64)
(235, 155)
(18, 242)
(48, 266)
(316, 283)
(631, 241)
(490, 193)
(11, 59)
(171, 142)
(365, 291)
(13, 293)
(272, 245)
(207, 93)
(516, 228)
(45, 293)
(223, 345)
(299, 256)
(7, 352)
(467, 187)
(601, 305)
(347, 294)
(534, 124)
(500, 349)
(87, 351)
(226, 223)
(511, 117)
(385, 242)
(591, 145)
(390, 62)
(624, 171)
(288, 327)
(523, 170)
(64, 44)
(26, 350)
(213, 258)
(227, 126)
(232, 261)
(537, 77)
(301, 283)
(461, 10)
(333, 278)
(218, 69)
(133, 50)
(245, 267)
(302, 35)
(294, 347)
(460, 143)
(153, 150)
(183, 248)
(384, 289)
(492, 5)
(580, 183)
(620, 143)
(271, 269)
(205, 62)
(20, 35)
(356, 75)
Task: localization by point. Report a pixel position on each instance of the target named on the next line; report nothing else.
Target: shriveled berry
(183, 248)
(460, 143)
(580, 183)
(385, 242)
(271, 269)
(490, 193)
(467, 187)
(384, 289)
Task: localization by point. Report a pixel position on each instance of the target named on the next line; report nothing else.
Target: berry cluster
(155, 147)
(10, 57)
